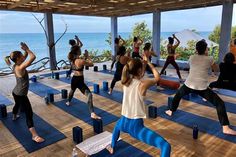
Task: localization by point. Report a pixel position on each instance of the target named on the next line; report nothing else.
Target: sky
(202, 19)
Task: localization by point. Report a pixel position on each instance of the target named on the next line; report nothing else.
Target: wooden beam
(17, 4)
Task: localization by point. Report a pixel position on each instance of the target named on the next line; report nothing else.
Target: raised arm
(32, 57)
(122, 41)
(79, 43)
(178, 42)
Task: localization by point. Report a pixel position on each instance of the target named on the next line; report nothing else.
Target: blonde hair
(130, 70)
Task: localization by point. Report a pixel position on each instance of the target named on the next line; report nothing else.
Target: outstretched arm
(178, 42)
(122, 41)
(79, 43)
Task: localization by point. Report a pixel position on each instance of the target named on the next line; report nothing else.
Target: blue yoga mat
(4, 100)
(68, 81)
(206, 125)
(230, 107)
(166, 77)
(107, 72)
(118, 96)
(227, 92)
(79, 109)
(164, 90)
(50, 74)
(42, 89)
(21, 132)
(123, 149)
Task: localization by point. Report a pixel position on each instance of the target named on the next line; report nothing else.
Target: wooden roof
(104, 7)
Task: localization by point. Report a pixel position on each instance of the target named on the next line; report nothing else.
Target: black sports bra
(74, 67)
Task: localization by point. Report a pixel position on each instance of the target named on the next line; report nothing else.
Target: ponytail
(126, 76)
(7, 60)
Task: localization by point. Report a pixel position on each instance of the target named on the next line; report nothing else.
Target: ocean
(37, 43)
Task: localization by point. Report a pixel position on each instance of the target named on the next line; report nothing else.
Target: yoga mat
(68, 81)
(166, 77)
(79, 109)
(107, 72)
(42, 89)
(123, 149)
(226, 92)
(163, 90)
(50, 74)
(206, 125)
(21, 132)
(4, 100)
(118, 96)
(230, 107)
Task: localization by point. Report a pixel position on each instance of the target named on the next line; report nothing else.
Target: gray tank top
(22, 85)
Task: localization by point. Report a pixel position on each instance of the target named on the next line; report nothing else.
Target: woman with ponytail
(22, 86)
(121, 60)
(77, 81)
(133, 107)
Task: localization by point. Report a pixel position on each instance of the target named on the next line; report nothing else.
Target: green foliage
(215, 35)
(105, 56)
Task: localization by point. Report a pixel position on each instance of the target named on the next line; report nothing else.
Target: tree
(215, 35)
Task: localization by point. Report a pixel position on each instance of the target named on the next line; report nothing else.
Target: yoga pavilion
(55, 121)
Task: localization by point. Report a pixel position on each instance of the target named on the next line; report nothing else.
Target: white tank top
(133, 106)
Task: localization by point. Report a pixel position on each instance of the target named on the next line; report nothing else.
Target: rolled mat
(169, 84)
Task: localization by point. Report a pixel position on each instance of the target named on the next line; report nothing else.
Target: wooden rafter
(17, 4)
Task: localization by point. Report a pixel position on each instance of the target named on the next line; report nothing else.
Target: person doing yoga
(147, 50)
(227, 77)
(197, 83)
(77, 80)
(233, 48)
(171, 55)
(22, 86)
(133, 107)
(137, 42)
(118, 43)
(121, 60)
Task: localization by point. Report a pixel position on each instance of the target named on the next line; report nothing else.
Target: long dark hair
(131, 69)
(73, 54)
(229, 58)
(13, 57)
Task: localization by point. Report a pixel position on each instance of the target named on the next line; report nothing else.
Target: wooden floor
(178, 136)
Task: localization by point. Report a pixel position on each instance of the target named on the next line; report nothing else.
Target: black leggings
(116, 78)
(223, 85)
(136, 55)
(23, 103)
(78, 82)
(113, 62)
(209, 95)
(171, 60)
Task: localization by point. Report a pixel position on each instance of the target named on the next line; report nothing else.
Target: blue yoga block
(105, 86)
(68, 73)
(104, 67)
(187, 97)
(77, 134)
(46, 100)
(52, 75)
(50, 97)
(152, 112)
(64, 94)
(97, 126)
(170, 99)
(34, 78)
(96, 88)
(3, 110)
(56, 76)
(86, 67)
(164, 72)
(95, 68)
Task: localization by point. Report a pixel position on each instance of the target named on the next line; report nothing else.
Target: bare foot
(94, 116)
(110, 150)
(205, 100)
(110, 91)
(227, 130)
(38, 139)
(15, 117)
(68, 103)
(169, 112)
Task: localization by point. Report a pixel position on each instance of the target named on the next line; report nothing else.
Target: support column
(48, 19)
(113, 33)
(226, 24)
(156, 36)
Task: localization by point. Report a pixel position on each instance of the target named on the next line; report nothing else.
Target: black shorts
(78, 82)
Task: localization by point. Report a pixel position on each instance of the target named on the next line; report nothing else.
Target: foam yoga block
(104, 67)
(64, 94)
(97, 126)
(95, 68)
(96, 88)
(50, 97)
(68, 73)
(152, 112)
(56, 76)
(86, 67)
(170, 99)
(3, 110)
(34, 79)
(169, 84)
(77, 134)
(105, 86)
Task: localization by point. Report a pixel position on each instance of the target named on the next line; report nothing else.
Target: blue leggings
(136, 129)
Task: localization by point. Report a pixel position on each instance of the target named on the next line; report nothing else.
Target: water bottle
(195, 132)
(74, 153)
